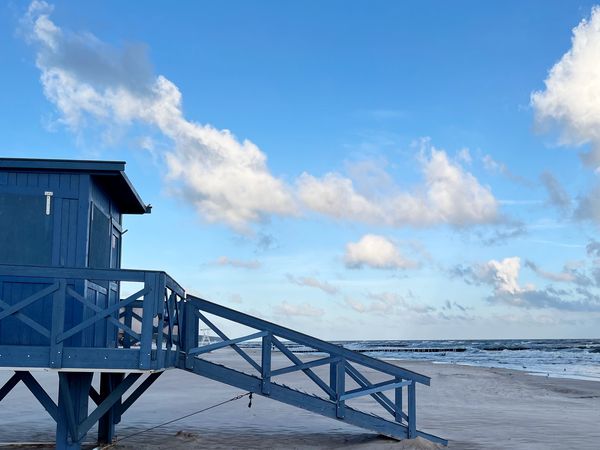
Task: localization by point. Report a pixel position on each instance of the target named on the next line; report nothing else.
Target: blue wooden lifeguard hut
(67, 306)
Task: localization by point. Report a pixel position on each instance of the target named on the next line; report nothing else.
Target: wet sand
(475, 408)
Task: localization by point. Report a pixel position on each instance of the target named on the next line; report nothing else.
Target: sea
(566, 358)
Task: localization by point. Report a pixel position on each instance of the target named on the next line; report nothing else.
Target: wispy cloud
(314, 283)
(240, 263)
(386, 303)
(297, 310)
(557, 195)
(491, 165)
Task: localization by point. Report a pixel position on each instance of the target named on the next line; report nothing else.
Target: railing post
(160, 284)
(333, 379)
(340, 387)
(148, 310)
(398, 402)
(267, 343)
(412, 410)
(128, 320)
(191, 330)
(59, 299)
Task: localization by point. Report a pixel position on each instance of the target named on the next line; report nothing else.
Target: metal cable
(232, 399)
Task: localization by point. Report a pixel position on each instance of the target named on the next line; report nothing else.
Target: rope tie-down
(232, 399)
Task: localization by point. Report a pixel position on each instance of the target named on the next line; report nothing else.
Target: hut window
(25, 230)
(100, 240)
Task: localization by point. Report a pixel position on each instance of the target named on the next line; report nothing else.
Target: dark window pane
(99, 257)
(25, 230)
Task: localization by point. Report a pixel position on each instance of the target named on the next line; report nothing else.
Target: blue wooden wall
(75, 196)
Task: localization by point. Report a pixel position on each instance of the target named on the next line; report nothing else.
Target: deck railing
(76, 318)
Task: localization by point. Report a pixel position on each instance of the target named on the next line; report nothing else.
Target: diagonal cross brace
(299, 362)
(97, 309)
(223, 336)
(29, 300)
(101, 315)
(9, 385)
(27, 321)
(106, 404)
(362, 381)
(40, 394)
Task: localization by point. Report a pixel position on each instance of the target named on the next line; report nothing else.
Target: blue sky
(354, 169)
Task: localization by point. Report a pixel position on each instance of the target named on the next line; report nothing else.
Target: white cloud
(377, 252)
(301, 310)
(335, 196)
(448, 195)
(227, 180)
(572, 89)
(504, 275)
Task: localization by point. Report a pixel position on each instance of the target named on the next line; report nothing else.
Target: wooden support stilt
(73, 395)
(106, 424)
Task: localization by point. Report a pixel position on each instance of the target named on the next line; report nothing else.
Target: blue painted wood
(378, 387)
(115, 396)
(298, 399)
(266, 345)
(228, 343)
(9, 385)
(362, 381)
(58, 322)
(398, 415)
(306, 365)
(136, 394)
(147, 322)
(73, 399)
(314, 377)
(39, 393)
(412, 411)
(224, 337)
(340, 387)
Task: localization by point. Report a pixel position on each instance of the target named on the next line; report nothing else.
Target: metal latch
(48, 195)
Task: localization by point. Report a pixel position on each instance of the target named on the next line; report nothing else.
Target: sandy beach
(474, 408)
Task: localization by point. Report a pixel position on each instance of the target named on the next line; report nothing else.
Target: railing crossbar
(379, 387)
(306, 365)
(227, 343)
(362, 381)
(224, 337)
